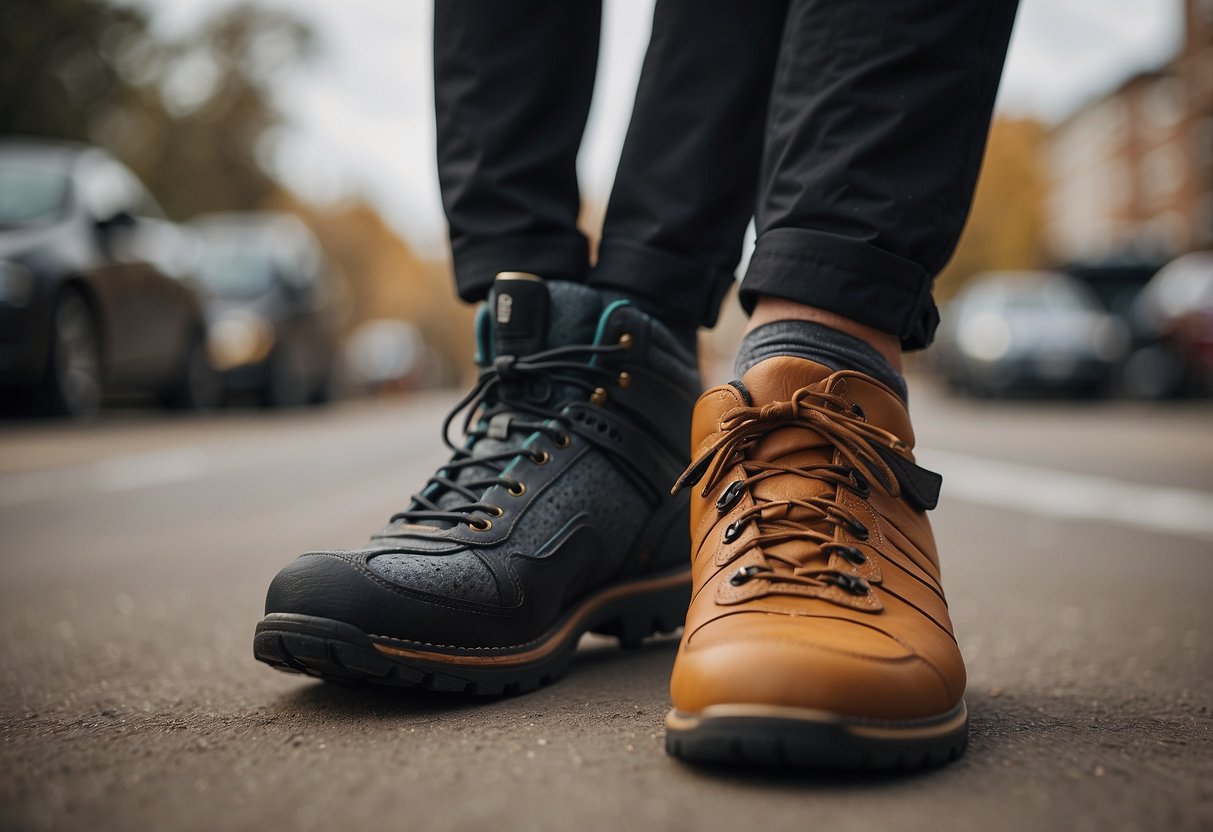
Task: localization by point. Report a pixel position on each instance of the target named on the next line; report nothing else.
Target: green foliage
(194, 117)
(60, 68)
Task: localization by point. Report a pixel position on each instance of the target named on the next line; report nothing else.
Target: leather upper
(816, 578)
(570, 507)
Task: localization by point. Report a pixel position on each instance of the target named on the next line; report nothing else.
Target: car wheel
(197, 385)
(1152, 372)
(286, 384)
(324, 389)
(71, 384)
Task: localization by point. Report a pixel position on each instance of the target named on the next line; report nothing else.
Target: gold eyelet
(480, 525)
(625, 380)
(626, 340)
(516, 489)
(542, 458)
(495, 511)
(564, 440)
(599, 397)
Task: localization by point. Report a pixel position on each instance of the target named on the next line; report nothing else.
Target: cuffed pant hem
(844, 276)
(551, 256)
(674, 288)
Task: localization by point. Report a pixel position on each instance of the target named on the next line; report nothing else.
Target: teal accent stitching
(602, 322)
(526, 443)
(484, 336)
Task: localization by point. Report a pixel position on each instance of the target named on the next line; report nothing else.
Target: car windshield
(1031, 297)
(1050, 295)
(30, 193)
(236, 274)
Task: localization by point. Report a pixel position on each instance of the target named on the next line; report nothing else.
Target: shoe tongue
(529, 315)
(776, 379)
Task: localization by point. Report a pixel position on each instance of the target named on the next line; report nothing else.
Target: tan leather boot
(818, 633)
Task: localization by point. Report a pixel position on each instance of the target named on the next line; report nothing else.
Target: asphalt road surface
(1078, 551)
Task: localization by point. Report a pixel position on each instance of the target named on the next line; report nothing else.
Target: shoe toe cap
(326, 585)
(832, 665)
(342, 587)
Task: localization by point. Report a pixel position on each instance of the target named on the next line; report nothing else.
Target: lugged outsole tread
(295, 646)
(809, 747)
(776, 754)
(334, 660)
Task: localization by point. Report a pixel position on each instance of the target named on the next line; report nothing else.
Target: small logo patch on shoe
(505, 305)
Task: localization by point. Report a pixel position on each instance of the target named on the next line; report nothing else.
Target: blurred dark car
(93, 296)
(1172, 321)
(272, 306)
(1029, 331)
(1116, 281)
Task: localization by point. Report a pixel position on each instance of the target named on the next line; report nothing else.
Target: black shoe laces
(515, 395)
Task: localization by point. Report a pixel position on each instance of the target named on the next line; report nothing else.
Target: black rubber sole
(336, 651)
(788, 737)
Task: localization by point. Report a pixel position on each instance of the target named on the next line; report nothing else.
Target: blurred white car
(385, 354)
(1010, 331)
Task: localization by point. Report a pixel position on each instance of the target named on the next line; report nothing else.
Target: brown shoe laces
(777, 521)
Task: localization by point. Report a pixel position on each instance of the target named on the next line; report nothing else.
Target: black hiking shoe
(552, 519)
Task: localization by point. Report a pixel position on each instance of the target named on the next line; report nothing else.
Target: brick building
(1131, 173)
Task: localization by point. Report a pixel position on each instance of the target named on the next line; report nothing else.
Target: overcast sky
(361, 115)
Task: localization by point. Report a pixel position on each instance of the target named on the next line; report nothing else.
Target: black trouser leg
(512, 87)
(876, 129)
(684, 191)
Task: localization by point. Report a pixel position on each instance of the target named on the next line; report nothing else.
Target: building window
(1165, 235)
(1204, 221)
(1164, 104)
(1120, 182)
(1162, 173)
(1202, 136)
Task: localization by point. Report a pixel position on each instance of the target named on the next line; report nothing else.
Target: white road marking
(1069, 496)
(977, 480)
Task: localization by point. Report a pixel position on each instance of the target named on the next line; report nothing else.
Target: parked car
(383, 355)
(1116, 281)
(93, 298)
(1019, 331)
(272, 306)
(1173, 331)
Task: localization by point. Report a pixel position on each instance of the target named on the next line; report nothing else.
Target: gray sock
(819, 343)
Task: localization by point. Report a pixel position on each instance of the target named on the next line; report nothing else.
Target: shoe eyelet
(744, 574)
(541, 458)
(858, 529)
(516, 489)
(624, 380)
(858, 411)
(853, 555)
(480, 524)
(564, 440)
(598, 397)
(626, 340)
(860, 485)
(495, 511)
(849, 583)
(729, 497)
(733, 531)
